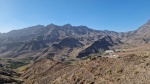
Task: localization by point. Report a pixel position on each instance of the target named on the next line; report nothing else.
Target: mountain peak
(68, 25)
(52, 24)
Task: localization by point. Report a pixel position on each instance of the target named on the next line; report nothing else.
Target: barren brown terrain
(69, 54)
(131, 67)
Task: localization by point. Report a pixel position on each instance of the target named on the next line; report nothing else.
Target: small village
(112, 53)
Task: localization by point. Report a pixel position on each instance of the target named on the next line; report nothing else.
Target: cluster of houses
(111, 53)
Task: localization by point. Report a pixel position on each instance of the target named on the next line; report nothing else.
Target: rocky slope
(46, 41)
(139, 36)
(58, 51)
(52, 41)
(99, 45)
(129, 69)
(9, 76)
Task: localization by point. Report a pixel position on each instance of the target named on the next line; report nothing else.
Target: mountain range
(66, 42)
(69, 54)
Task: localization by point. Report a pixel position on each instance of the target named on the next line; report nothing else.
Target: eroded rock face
(100, 45)
(29, 42)
(81, 40)
(124, 70)
(67, 39)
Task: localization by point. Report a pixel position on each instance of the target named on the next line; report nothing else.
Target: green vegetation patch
(15, 65)
(11, 63)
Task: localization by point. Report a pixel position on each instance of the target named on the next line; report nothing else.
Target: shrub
(136, 72)
(67, 62)
(147, 64)
(120, 71)
(86, 57)
(109, 72)
(118, 79)
(145, 56)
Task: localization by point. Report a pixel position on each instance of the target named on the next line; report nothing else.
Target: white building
(109, 51)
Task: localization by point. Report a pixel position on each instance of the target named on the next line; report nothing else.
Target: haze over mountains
(70, 41)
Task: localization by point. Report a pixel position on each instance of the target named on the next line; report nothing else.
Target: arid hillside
(69, 54)
(128, 68)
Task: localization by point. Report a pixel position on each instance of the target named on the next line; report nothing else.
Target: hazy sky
(116, 15)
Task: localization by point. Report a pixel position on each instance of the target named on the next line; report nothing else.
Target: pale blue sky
(116, 15)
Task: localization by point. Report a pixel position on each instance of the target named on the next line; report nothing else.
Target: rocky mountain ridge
(73, 41)
(53, 38)
(139, 36)
(72, 55)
